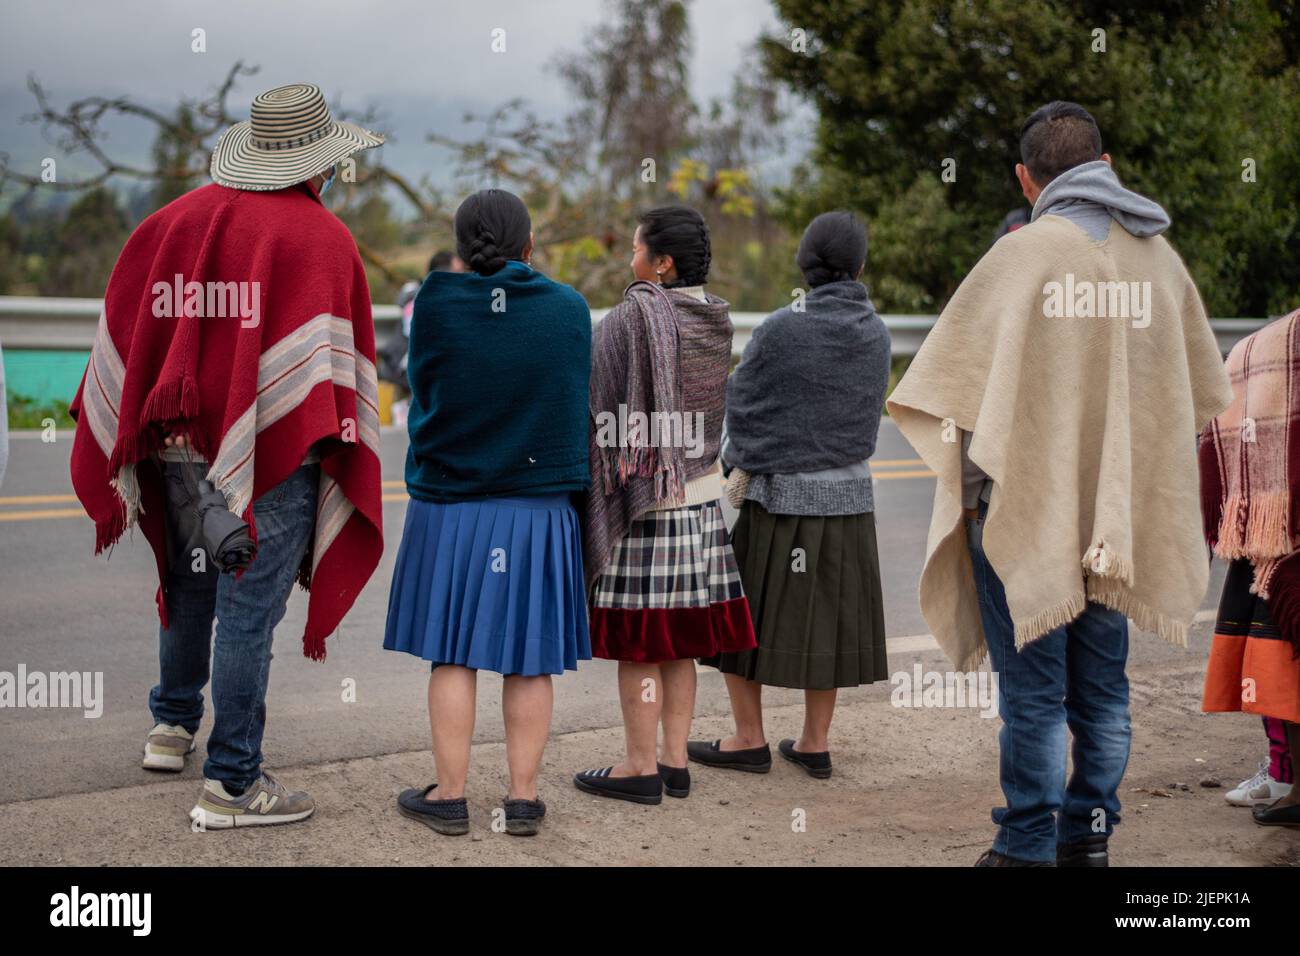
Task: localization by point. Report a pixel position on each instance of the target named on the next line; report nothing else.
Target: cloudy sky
(423, 62)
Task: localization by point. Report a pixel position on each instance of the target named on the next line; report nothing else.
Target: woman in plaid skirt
(662, 578)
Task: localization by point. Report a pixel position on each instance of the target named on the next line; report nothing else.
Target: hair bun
(492, 228)
(833, 249)
(484, 257)
(816, 271)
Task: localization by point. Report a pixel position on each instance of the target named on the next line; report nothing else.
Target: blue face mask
(329, 181)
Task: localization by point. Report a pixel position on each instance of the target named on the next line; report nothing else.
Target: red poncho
(273, 351)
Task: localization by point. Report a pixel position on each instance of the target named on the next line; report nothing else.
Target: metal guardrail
(33, 322)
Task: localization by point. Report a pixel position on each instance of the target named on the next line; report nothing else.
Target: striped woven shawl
(252, 391)
(1250, 454)
(658, 352)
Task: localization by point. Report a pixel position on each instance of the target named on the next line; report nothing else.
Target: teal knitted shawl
(499, 368)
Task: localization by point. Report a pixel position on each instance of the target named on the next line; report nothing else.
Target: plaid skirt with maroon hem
(671, 591)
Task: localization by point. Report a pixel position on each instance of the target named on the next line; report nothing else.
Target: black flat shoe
(523, 817)
(677, 780)
(448, 817)
(1091, 851)
(648, 789)
(753, 760)
(1275, 816)
(994, 858)
(817, 764)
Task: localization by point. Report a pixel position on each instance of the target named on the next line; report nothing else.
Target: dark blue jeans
(247, 610)
(1070, 677)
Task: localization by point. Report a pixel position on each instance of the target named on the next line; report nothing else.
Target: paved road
(62, 609)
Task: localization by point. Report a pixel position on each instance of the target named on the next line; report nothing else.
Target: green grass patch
(27, 412)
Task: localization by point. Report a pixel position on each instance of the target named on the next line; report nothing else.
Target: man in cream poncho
(1058, 399)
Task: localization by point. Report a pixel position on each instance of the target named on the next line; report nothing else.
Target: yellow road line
(924, 473)
(49, 513)
(390, 498)
(36, 499)
(400, 483)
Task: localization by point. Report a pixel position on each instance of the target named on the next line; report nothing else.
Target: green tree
(631, 88)
(11, 262)
(1184, 93)
(174, 163)
(87, 246)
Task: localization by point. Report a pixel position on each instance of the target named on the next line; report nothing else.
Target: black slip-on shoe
(711, 754)
(1091, 851)
(677, 780)
(647, 789)
(817, 764)
(523, 817)
(994, 858)
(449, 817)
(1273, 815)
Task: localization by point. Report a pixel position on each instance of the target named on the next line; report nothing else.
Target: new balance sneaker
(166, 748)
(1259, 791)
(265, 803)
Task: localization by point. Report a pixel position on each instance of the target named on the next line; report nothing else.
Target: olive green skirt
(813, 586)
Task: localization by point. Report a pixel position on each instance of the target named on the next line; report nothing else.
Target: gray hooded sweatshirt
(1091, 197)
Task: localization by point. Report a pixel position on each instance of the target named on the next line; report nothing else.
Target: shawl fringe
(1117, 597)
(1050, 619)
(127, 486)
(644, 461)
(1105, 562)
(1110, 593)
(173, 401)
(1255, 527)
(109, 529)
(313, 644)
(975, 659)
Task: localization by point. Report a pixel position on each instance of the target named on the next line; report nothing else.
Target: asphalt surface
(63, 609)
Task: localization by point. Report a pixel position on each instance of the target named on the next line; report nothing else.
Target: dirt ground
(911, 787)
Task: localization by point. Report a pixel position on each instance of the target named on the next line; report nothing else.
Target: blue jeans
(1070, 677)
(247, 610)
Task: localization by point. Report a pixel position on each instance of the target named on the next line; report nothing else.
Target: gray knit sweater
(803, 406)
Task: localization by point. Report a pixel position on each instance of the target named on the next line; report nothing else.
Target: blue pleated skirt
(495, 585)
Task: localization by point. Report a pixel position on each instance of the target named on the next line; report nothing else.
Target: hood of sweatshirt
(1091, 196)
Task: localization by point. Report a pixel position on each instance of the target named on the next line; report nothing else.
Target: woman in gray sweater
(803, 410)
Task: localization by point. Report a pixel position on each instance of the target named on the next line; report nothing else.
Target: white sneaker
(1259, 790)
(266, 802)
(167, 747)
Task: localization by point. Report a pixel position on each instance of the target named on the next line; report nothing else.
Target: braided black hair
(492, 228)
(833, 248)
(680, 232)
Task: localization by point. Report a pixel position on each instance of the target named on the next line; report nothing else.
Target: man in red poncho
(236, 347)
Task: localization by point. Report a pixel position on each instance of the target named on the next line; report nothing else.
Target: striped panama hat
(289, 139)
